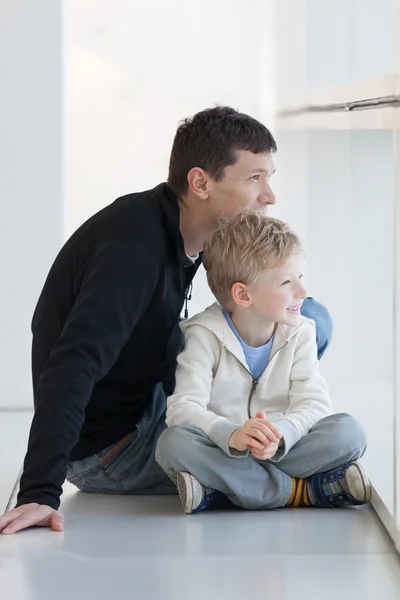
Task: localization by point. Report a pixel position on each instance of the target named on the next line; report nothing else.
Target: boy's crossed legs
(334, 442)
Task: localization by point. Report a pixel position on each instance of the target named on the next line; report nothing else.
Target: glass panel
(396, 214)
(349, 41)
(291, 35)
(328, 43)
(372, 40)
(350, 240)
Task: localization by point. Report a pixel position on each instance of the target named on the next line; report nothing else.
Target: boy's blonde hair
(243, 247)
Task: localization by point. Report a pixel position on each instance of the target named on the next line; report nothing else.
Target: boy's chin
(291, 319)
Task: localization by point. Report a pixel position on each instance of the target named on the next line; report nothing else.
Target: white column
(31, 178)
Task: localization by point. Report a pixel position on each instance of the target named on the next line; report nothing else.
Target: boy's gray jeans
(132, 465)
(254, 484)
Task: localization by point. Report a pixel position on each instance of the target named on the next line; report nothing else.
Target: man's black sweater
(105, 331)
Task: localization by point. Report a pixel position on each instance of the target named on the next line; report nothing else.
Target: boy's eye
(256, 177)
(286, 282)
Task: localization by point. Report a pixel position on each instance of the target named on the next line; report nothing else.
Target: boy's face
(278, 293)
(245, 185)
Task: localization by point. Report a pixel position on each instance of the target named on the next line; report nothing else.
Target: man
(105, 329)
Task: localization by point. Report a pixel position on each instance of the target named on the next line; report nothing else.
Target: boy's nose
(301, 292)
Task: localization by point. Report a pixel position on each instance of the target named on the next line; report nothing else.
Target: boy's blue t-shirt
(256, 358)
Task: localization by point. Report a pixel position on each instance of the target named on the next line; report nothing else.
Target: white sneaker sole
(358, 483)
(191, 492)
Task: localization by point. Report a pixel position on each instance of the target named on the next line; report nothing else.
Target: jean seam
(106, 466)
(116, 449)
(117, 462)
(314, 470)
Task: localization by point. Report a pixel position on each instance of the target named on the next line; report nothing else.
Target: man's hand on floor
(29, 515)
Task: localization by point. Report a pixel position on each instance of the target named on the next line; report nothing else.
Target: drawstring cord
(188, 296)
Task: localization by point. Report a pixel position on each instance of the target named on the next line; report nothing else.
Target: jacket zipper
(252, 392)
(255, 382)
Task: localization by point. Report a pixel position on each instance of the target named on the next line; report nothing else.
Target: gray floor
(145, 548)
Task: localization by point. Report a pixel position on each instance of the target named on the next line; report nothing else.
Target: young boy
(250, 419)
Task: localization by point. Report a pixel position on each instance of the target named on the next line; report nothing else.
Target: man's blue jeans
(323, 322)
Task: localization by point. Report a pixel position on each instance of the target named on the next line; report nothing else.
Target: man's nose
(267, 196)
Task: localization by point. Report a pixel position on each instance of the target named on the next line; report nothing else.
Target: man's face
(245, 185)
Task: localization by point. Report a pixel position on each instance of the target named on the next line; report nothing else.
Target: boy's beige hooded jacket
(216, 393)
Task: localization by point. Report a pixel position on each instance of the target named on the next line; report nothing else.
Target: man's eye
(256, 177)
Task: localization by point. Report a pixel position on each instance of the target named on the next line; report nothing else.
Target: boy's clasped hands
(259, 436)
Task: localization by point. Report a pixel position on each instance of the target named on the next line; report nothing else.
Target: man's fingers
(9, 517)
(57, 521)
(21, 522)
(42, 516)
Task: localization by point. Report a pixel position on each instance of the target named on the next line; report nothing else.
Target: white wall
(134, 70)
(109, 84)
(30, 180)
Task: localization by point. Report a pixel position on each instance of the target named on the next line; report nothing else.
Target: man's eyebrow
(265, 171)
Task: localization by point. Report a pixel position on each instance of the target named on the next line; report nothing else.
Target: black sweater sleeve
(116, 290)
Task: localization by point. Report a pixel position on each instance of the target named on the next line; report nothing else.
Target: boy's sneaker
(194, 496)
(347, 485)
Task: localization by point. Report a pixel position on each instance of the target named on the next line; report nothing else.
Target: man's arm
(115, 292)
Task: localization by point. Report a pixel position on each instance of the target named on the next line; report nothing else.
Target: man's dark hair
(210, 140)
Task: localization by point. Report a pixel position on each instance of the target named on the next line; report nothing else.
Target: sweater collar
(171, 212)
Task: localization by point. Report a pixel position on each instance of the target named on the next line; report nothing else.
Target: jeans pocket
(113, 455)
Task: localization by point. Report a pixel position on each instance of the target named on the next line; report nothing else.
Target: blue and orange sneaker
(194, 496)
(347, 485)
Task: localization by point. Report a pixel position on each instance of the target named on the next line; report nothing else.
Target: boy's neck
(250, 330)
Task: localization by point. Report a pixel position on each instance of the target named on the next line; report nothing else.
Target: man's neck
(195, 228)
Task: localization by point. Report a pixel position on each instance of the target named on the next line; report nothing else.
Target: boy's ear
(240, 295)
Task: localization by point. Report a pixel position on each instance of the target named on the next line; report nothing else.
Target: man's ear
(198, 182)
(240, 294)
